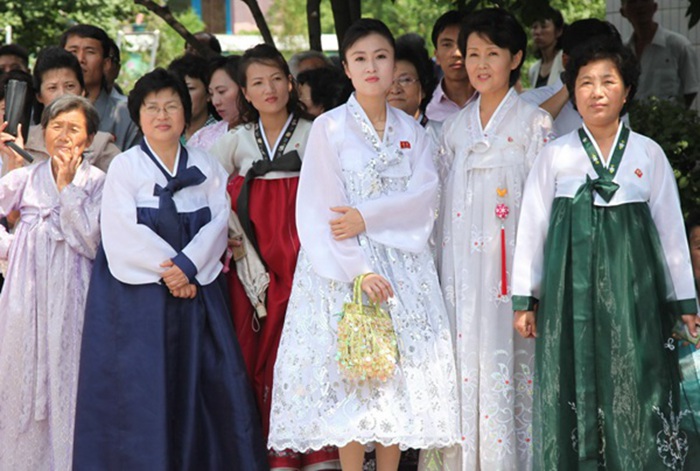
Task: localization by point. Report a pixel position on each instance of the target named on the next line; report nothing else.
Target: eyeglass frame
(406, 81)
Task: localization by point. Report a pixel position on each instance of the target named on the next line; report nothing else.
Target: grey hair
(66, 103)
(299, 57)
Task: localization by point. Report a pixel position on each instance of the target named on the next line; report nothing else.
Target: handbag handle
(357, 289)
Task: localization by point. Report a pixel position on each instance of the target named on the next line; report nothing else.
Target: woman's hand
(174, 278)
(349, 225)
(377, 288)
(186, 292)
(524, 323)
(66, 165)
(14, 160)
(691, 321)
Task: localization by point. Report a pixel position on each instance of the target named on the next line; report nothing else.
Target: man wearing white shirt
(555, 98)
(669, 63)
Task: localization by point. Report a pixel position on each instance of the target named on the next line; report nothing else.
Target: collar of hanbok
(388, 157)
(159, 162)
(480, 138)
(605, 160)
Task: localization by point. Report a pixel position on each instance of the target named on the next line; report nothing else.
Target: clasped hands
(177, 282)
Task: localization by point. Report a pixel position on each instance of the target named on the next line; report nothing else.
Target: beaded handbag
(367, 347)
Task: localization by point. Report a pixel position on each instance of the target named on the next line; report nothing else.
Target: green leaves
(677, 131)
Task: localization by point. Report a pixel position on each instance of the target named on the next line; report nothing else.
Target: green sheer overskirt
(642, 420)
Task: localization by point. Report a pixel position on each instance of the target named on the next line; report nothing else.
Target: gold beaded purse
(367, 346)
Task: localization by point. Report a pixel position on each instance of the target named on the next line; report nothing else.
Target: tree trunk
(345, 13)
(313, 19)
(260, 21)
(167, 16)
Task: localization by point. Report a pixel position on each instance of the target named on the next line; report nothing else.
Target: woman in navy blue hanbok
(162, 384)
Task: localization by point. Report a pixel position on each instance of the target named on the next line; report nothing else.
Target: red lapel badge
(638, 173)
(405, 145)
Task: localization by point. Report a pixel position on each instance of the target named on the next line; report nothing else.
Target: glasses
(154, 110)
(404, 82)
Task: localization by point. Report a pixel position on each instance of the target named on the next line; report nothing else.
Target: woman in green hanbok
(601, 275)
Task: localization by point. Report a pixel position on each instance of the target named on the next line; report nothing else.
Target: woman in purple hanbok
(49, 258)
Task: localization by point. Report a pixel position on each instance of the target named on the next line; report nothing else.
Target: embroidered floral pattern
(672, 441)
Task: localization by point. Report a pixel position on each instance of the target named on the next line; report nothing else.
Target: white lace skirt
(314, 406)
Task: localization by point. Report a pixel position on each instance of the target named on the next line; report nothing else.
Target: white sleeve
(79, 221)
(224, 149)
(208, 245)
(134, 252)
(321, 187)
(404, 220)
(540, 134)
(11, 189)
(533, 225)
(665, 208)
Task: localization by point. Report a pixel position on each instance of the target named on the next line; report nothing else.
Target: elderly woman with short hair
(49, 259)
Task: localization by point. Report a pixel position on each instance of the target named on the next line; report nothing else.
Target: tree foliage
(38, 23)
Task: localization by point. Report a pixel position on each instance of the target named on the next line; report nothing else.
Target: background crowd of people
(176, 262)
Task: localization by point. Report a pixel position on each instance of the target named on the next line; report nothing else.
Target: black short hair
(17, 51)
(208, 40)
(417, 55)
(228, 64)
(329, 86)
(363, 28)
(601, 48)
(88, 31)
(114, 52)
(447, 19)
(52, 58)
(192, 66)
(581, 31)
(155, 81)
(557, 19)
(267, 55)
(501, 28)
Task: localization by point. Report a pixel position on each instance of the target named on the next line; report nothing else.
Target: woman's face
(544, 34)
(600, 93)
(67, 134)
(198, 95)
(489, 65)
(267, 88)
(56, 83)
(224, 95)
(369, 64)
(406, 92)
(162, 116)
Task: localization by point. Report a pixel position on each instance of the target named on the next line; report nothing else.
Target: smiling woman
(175, 369)
(263, 155)
(42, 302)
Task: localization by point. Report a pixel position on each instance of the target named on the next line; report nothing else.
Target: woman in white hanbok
(366, 203)
(488, 148)
(49, 258)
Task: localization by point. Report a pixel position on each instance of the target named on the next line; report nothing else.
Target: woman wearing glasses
(414, 81)
(162, 384)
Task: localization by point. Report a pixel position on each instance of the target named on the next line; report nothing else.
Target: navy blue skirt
(162, 383)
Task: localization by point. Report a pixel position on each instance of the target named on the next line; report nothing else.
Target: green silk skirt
(608, 392)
